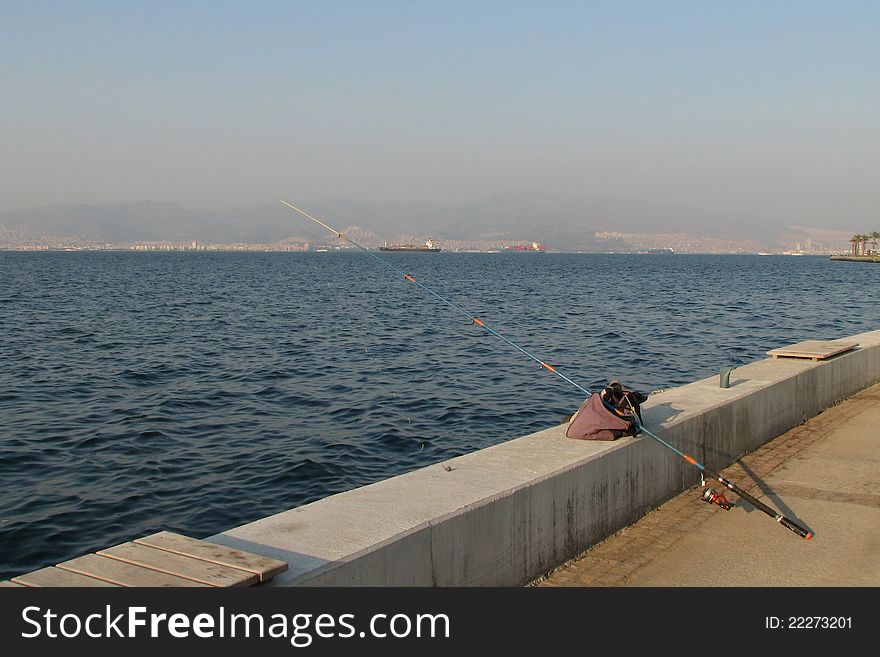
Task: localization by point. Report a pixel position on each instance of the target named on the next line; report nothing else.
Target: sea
(198, 391)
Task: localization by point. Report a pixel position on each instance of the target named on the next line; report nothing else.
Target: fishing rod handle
(758, 504)
(755, 502)
(796, 528)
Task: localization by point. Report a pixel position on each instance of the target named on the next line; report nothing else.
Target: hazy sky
(769, 108)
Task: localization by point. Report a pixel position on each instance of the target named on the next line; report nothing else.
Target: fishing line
(785, 522)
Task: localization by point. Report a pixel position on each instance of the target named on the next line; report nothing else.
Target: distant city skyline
(566, 223)
(762, 110)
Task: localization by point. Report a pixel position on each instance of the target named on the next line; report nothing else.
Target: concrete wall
(507, 514)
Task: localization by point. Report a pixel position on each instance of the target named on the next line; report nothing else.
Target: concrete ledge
(507, 514)
(868, 258)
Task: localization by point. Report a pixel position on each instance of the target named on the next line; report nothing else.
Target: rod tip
(809, 535)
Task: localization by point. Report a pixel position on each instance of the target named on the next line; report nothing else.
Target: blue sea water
(198, 391)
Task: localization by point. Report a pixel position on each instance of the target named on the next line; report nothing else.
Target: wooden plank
(6, 585)
(58, 577)
(813, 349)
(264, 567)
(205, 572)
(121, 573)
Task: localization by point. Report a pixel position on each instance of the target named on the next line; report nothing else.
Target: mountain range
(558, 220)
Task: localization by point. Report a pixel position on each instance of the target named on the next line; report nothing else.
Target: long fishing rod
(785, 522)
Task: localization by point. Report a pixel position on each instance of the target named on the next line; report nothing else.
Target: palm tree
(865, 239)
(854, 241)
(874, 237)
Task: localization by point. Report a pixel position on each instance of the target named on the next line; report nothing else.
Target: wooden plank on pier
(5, 585)
(54, 577)
(122, 573)
(208, 573)
(263, 567)
(814, 350)
(163, 559)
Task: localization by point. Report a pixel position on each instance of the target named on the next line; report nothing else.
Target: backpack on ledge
(608, 415)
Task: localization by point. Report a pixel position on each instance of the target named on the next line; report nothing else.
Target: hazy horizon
(756, 109)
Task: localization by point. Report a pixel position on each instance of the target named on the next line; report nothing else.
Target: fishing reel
(710, 496)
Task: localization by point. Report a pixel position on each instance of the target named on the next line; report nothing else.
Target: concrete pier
(825, 473)
(868, 258)
(510, 513)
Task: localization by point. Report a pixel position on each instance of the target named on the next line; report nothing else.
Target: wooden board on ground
(123, 574)
(206, 572)
(263, 567)
(54, 577)
(4, 585)
(163, 559)
(815, 350)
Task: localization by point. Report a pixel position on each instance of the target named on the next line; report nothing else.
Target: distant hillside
(561, 221)
(115, 222)
(149, 221)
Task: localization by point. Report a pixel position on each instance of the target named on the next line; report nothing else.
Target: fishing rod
(712, 497)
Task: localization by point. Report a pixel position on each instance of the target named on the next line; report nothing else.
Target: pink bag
(594, 420)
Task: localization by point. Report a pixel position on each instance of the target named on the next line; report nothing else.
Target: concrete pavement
(825, 474)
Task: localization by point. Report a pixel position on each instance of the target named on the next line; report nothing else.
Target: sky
(770, 109)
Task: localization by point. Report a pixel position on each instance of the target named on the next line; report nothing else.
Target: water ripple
(196, 392)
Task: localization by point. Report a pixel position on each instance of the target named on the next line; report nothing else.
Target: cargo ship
(533, 247)
(430, 246)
